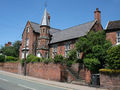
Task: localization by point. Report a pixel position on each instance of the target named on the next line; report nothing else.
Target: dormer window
(118, 37)
(27, 29)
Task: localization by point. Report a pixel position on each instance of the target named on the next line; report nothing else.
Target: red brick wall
(83, 72)
(45, 71)
(112, 82)
(61, 47)
(40, 70)
(112, 37)
(50, 71)
(87, 76)
(11, 67)
(66, 76)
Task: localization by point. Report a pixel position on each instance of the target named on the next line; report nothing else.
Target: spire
(45, 20)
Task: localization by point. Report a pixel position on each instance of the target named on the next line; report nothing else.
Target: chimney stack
(9, 43)
(97, 14)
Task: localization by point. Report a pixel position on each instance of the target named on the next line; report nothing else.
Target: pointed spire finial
(45, 19)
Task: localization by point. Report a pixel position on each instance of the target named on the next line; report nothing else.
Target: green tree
(9, 51)
(12, 50)
(92, 64)
(94, 45)
(113, 57)
(2, 58)
(16, 47)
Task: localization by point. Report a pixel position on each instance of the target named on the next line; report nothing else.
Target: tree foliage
(2, 58)
(92, 64)
(16, 47)
(58, 59)
(94, 45)
(12, 50)
(113, 57)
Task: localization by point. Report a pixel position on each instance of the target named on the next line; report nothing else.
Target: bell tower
(44, 38)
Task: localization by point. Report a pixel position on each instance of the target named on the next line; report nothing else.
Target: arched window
(27, 29)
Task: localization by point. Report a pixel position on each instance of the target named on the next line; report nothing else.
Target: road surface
(13, 83)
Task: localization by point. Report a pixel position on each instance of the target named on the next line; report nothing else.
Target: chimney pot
(97, 14)
(97, 9)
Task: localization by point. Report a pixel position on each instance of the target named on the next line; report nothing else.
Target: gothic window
(54, 50)
(27, 29)
(67, 48)
(27, 42)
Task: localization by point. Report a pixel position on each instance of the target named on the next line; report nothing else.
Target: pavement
(40, 84)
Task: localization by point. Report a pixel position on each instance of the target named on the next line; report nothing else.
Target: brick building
(45, 41)
(113, 32)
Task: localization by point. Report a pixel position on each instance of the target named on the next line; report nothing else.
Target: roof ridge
(34, 22)
(114, 20)
(79, 25)
(56, 28)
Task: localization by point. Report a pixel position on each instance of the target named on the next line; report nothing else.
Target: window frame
(28, 29)
(67, 48)
(27, 41)
(118, 37)
(54, 52)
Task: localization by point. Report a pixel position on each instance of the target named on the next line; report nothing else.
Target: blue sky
(64, 14)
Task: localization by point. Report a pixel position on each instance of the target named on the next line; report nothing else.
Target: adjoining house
(113, 32)
(44, 41)
(8, 44)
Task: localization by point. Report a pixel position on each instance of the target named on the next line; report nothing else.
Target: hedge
(110, 71)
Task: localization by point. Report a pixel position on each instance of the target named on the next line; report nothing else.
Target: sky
(14, 14)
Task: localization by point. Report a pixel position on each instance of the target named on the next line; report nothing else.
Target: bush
(10, 59)
(35, 59)
(113, 57)
(31, 58)
(2, 58)
(58, 59)
(22, 62)
(47, 60)
(92, 64)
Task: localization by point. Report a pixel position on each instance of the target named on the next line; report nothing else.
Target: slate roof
(66, 34)
(113, 25)
(36, 28)
(72, 33)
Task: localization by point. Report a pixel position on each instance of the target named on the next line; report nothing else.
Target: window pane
(27, 42)
(119, 40)
(27, 29)
(22, 55)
